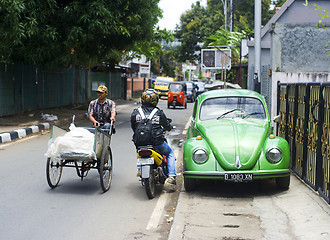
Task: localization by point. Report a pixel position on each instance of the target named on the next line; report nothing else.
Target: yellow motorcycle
(152, 169)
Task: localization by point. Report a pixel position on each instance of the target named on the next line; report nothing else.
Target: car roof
(231, 93)
(181, 83)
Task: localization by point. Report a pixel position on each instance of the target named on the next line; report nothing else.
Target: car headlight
(200, 155)
(169, 95)
(274, 154)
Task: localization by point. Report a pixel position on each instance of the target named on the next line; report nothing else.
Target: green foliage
(230, 39)
(198, 23)
(190, 32)
(75, 32)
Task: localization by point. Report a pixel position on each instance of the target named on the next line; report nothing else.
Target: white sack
(76, 144)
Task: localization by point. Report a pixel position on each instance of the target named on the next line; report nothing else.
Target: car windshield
(189, 86)
(175, 87)
(161, 83)
(231, 107)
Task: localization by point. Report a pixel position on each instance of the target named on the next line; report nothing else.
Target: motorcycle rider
(160, 123)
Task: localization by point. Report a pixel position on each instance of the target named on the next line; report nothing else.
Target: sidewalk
(21, 125)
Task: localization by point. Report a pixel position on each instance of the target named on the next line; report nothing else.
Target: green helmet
(150, 98)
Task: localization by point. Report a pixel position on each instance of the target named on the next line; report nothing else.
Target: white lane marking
(157, 213)
(158, 210)
(160, 205)
(187, 126)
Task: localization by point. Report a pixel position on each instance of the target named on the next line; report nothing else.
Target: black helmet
(150, 98)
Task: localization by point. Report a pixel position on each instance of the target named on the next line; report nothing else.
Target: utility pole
(224, 3)
(231, 16)
(257, 45)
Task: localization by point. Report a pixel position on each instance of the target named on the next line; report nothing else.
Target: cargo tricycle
(99, 157)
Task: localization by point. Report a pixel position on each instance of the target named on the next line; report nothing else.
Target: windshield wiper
(250, 114)
(224, 114)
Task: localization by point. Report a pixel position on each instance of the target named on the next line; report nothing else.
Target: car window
(189, 86)
(231, 107)
(175, 87)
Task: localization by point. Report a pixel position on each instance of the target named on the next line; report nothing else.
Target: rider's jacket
(159, 123)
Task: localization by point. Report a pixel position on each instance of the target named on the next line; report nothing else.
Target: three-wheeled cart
(101, 160)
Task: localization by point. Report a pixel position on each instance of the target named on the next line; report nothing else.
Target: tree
(80, 33)
(189, 32)
(198, 23)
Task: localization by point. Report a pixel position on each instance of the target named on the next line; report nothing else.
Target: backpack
(144, 131)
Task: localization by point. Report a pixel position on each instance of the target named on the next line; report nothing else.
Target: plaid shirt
(101, 112)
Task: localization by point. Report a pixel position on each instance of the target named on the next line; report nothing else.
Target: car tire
(283, 183)
(189, 184)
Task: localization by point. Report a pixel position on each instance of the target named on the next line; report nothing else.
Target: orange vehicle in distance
(177, 95)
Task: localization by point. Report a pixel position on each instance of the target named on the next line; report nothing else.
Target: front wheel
(283, 182)
(105, 169)
(53, 171)
(189, 184)
(150, 184)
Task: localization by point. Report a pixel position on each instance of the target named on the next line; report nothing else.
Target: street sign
(216, 59)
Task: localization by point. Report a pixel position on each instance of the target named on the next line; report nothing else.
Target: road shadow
(213, 188)
(74, 186)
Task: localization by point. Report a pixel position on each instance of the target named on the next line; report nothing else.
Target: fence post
(319, 159)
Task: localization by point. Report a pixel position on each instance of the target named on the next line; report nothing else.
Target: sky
(172, 10)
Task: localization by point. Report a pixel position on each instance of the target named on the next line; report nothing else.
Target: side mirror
(277, 119)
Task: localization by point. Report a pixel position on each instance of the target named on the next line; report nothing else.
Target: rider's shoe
(171, 180)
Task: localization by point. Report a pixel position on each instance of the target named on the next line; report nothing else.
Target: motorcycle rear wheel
(150, 184)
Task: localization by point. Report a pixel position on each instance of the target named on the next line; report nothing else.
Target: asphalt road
(77, 209)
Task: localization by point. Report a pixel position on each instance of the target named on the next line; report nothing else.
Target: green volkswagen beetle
(230, 138)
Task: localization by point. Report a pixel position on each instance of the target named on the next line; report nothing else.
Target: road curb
(23, 132)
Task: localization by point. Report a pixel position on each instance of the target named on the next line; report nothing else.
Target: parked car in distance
(200, 87)
(230, 139)
(191, 90)
(177, 95)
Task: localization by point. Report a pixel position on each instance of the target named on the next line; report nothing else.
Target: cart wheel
(150, 184)
(106, 169)
(53, 171)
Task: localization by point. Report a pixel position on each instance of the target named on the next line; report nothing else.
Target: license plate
(239, 177)
(145, 161)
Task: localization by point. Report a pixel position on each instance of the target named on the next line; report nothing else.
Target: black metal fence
(304, 110)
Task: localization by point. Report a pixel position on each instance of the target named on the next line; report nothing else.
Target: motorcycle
(153, 166)
(153, 169)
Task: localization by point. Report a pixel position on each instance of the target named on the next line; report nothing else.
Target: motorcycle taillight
(145, 153)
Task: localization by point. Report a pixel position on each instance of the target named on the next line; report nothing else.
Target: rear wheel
(185, 105)
(283, 182)
(53, 171)
(105, 169)
(150, 184)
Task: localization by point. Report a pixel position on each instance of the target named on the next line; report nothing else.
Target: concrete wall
(300, 48)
